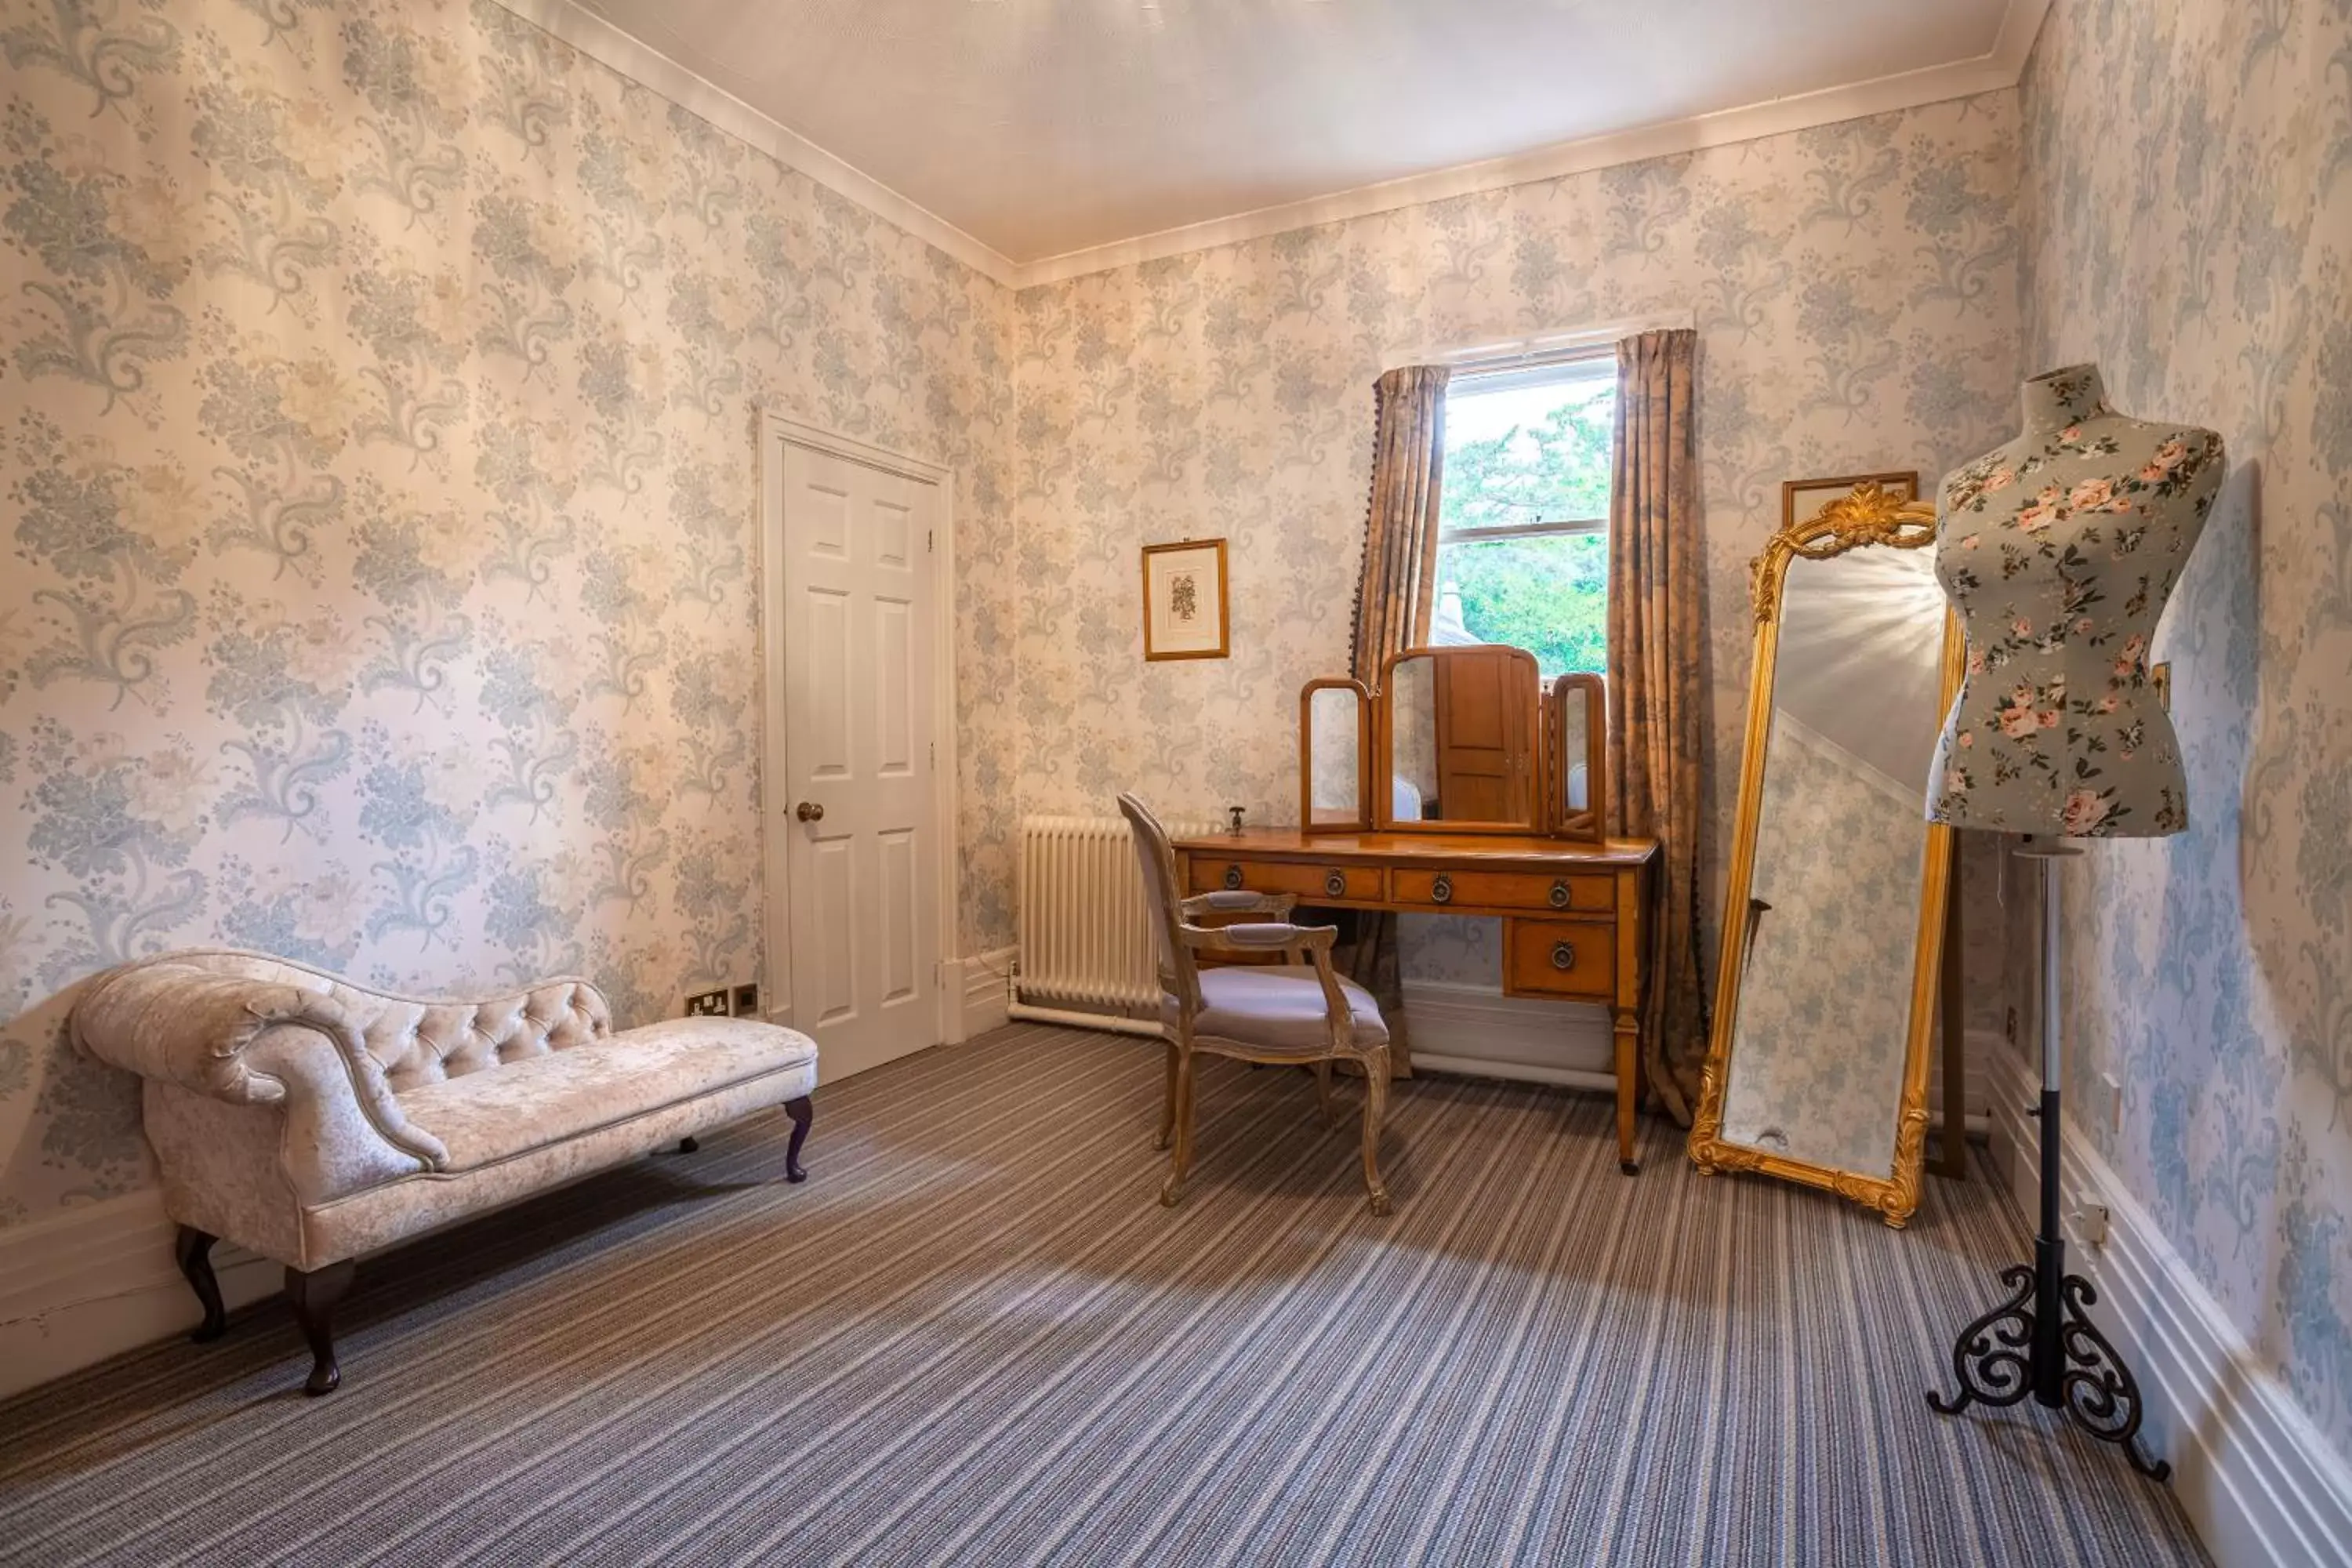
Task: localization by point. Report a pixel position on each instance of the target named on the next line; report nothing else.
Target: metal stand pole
(2040, 1341)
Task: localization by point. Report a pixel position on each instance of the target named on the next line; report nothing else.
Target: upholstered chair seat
(1299, 1012)
(1281, 1007)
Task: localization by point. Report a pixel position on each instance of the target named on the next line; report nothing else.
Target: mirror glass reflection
(1575, 743)
(1335, 755)
(1460, 743)
(1819, 1042)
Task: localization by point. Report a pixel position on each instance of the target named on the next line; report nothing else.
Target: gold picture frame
(1177, 623)
(1869, 513)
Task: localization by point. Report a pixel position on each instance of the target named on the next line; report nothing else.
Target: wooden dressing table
(1574, 914)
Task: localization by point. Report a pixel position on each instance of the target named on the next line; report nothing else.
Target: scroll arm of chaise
(254, 1042)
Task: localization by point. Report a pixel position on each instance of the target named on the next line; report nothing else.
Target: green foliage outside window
(1548, 595)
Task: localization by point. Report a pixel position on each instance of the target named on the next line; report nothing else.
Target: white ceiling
(1045, 127)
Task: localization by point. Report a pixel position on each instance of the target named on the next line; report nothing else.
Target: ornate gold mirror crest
(1808, 1001)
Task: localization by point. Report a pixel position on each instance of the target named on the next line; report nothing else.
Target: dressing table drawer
(1314, 884)
(1505, 890)
(1561, 958)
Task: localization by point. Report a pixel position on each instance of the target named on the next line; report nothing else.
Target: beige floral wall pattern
(1855, 290)
(2188, 220)
(376, 429)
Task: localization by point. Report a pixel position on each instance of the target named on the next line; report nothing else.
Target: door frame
(776, 433)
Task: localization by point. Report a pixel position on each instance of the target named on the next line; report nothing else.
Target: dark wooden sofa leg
(802, 1112)
(194, 1250)
(314, 1295)
(689, 1146)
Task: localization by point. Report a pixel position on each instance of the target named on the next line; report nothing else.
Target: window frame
(1542, 369)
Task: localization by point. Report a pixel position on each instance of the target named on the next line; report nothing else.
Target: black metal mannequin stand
(2040, 1341)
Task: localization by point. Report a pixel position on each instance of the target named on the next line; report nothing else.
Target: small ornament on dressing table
(1235, 813)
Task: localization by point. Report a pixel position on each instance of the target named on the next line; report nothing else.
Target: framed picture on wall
(1184, 600)
(1801, 499)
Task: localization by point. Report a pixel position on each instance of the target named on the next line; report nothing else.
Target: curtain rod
(1512, 354)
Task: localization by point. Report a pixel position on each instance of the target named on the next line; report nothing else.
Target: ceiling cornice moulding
(605, 44)
(601, 41)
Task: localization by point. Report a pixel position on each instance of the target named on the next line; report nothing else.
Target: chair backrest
(1177, 976)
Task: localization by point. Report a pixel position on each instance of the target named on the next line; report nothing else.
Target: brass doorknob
(809, 811)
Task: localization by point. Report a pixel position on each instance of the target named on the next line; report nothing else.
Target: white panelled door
(855, 804)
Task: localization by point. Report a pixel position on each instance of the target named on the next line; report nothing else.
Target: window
(1523, 521)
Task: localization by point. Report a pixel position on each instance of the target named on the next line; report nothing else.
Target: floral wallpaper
(376, 430)
(2187, 215)
(1825, 997)
(1855, 290)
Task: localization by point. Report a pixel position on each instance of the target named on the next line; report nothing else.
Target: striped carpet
(975, 1336)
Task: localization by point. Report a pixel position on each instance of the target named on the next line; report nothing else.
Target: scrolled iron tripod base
(1995, 1363)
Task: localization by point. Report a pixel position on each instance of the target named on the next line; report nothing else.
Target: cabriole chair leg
(1168, 1104)
(1323, 1090)
(1376, 1100)
(194, 1251)
(1181, 1160)
(314, 1294)
(802, 1111)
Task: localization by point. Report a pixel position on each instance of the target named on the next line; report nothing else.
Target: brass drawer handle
(1335, 885)
(1233, 876)
(1563, 956)
(1560, 894)
(1442, 890)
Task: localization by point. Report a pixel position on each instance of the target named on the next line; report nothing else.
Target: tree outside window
(1523, 540)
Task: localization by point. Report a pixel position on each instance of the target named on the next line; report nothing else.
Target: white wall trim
(608, 45)
(1477, 1030)
(987, 990)
(99, 1279)
(777, 432)
(1800, 112)
(601, 41)
(2257, 1477)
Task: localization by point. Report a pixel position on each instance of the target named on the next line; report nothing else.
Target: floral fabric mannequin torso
(2059, 550)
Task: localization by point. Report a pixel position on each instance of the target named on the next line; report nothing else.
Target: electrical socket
(747, 1001)
(2089, 1220)
(706, 1004)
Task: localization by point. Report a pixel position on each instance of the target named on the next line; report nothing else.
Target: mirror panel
(1460, 726)
(1818, 1068)
(1577, 771)
(1334, 747)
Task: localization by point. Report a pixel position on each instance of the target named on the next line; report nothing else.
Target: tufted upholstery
(416, 1041)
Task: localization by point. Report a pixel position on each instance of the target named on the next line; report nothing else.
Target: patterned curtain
(1392, 606)
(1657, 719)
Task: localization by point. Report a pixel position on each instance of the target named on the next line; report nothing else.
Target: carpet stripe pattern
(974, 1337)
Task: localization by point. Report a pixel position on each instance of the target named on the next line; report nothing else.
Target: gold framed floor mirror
(1833, 915)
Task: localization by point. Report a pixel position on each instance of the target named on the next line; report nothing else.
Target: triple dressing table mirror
(1457, 739)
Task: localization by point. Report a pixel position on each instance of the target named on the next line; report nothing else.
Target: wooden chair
(1296, 1013)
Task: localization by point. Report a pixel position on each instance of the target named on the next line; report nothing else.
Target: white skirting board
(987, 989)
(2257, 1479)
(99, 1279)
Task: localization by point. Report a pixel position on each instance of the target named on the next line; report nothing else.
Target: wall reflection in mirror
(1818, 1066)
(1335, 716)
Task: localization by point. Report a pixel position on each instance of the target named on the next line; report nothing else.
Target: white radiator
(1086, 934)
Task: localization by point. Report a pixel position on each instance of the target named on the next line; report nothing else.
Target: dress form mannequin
(2059, 550)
